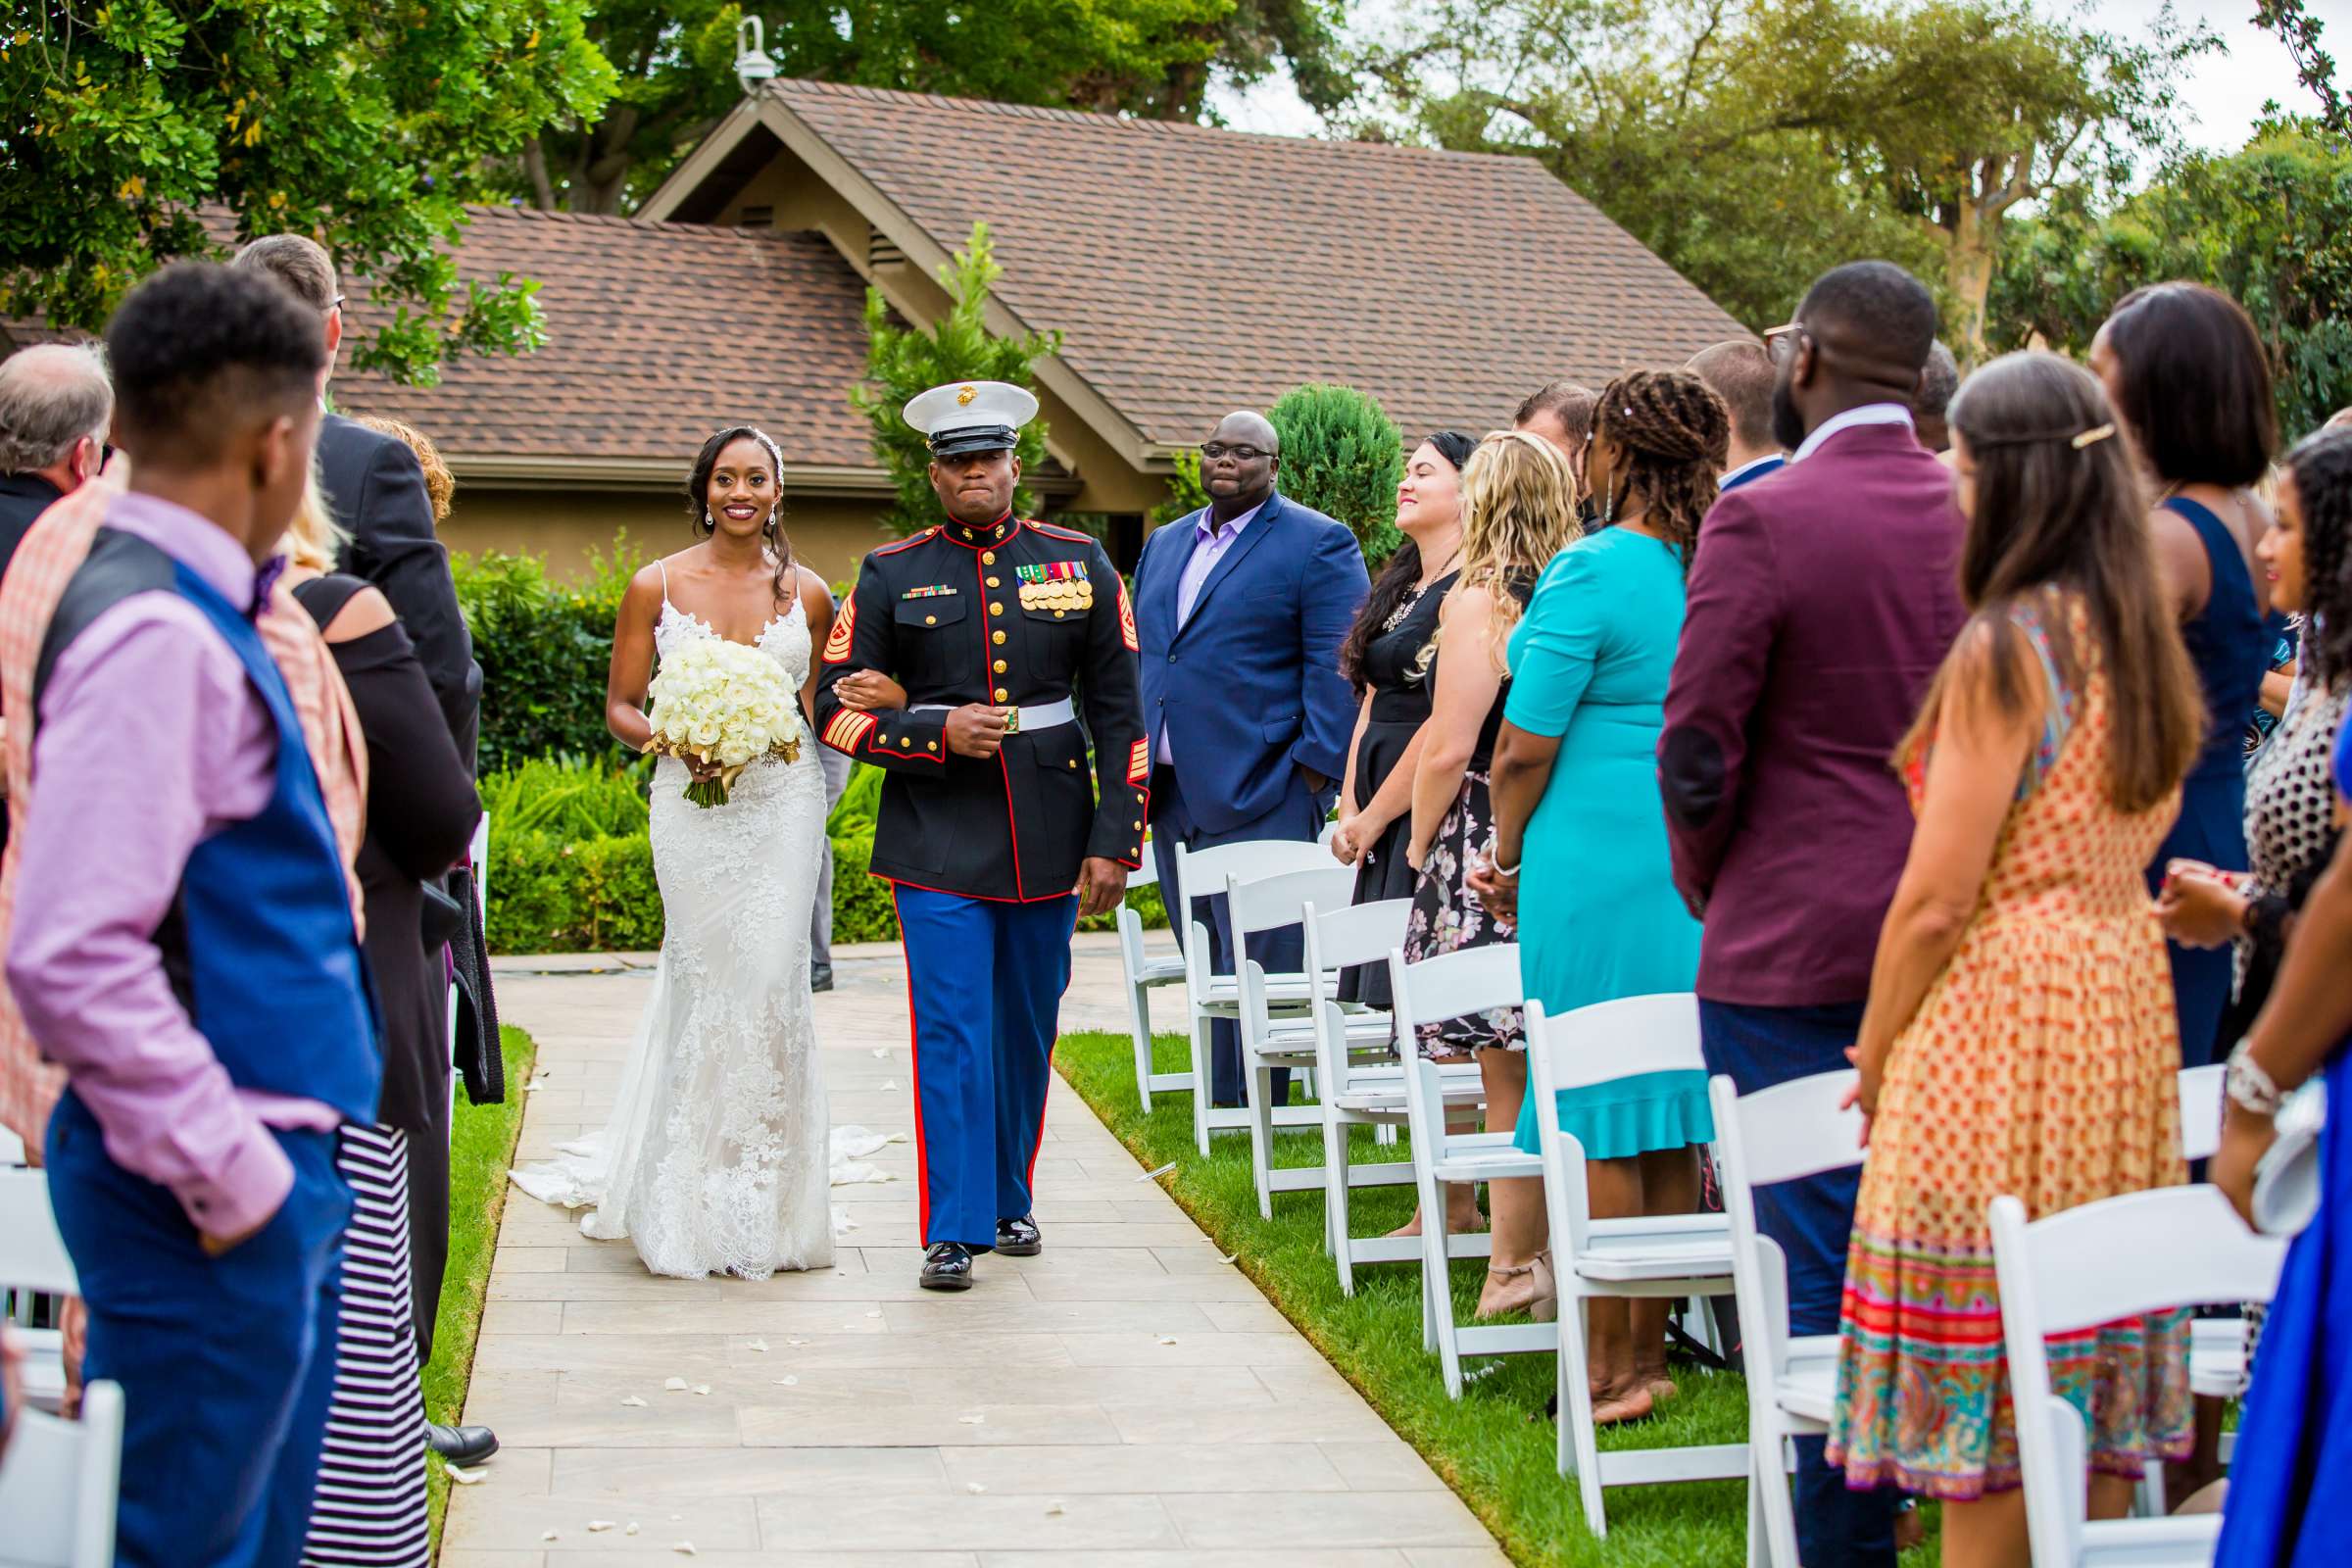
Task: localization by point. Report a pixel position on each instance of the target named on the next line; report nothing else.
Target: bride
(715, 1159)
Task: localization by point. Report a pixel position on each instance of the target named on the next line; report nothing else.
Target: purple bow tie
(264, 580)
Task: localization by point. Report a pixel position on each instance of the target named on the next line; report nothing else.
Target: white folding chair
(1278, 1031)
(1449, 986)
(1779, 1134)
(1361, 1082)
(2201, 1109)
(58, 1482)
(2073, 1271)
(1207, 995)
(1145, 972)
(1635, 1258)
(33, 1263)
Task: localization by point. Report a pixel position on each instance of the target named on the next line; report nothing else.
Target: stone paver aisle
(1126, 1397)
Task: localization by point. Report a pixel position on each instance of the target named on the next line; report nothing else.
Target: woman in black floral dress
(1519, 511)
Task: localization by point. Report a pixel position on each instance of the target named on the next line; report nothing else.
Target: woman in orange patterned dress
(2020, 1035)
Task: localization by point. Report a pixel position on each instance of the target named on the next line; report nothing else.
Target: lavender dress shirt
(1210, 542)
(151, 739)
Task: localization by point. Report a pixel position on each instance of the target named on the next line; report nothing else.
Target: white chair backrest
(1146, 874)
(1361, 933)
(2073, 1270)
(58, 1482)
(1358, 933)
(2201, 1109)
(12, 1147)
(2120, 1257)
(1591, 1046)
(1774, 1135)
(1202, 872)
(1277, 901)
(1793, 1129)
(1451, 985)
(1611, 1040)
(478, 852)
(32, 1254)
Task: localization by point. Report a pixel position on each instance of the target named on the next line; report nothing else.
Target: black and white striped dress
(369, 1505)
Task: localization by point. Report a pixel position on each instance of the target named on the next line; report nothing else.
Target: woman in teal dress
(1579, 835)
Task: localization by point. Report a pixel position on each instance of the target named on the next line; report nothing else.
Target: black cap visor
(974, 438)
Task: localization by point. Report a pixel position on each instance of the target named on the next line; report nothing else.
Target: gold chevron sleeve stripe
(837, 645)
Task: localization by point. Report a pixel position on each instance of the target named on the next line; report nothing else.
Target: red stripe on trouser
(1038, 1142)
(914, 1074)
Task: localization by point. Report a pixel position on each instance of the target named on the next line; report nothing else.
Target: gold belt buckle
(1012, 720)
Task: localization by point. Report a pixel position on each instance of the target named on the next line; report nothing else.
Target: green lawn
(1494, 1446)
(481, 1147)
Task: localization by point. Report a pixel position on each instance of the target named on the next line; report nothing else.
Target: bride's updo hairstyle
(697, 497)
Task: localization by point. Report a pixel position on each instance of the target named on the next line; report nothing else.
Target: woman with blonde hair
(1518, 511)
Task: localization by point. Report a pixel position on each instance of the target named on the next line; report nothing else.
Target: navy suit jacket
(1764, 468)
(1251, 685)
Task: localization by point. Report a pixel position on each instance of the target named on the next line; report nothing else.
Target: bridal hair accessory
(2099, 432)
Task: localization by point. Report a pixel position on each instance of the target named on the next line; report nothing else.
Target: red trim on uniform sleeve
(1139, 761)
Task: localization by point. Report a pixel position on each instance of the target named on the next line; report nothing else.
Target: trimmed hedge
(544, 649)
(560, 881)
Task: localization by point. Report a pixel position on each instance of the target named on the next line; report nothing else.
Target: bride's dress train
(717, 1157)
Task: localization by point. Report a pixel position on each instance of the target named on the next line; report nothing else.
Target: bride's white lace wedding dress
(716, 1157)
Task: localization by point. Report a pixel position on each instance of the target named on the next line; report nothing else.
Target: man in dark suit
(1821, 604)
(376, 488)
(1740, 373)
(1241, 607)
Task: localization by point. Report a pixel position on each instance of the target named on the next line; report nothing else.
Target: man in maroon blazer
(1822, 599)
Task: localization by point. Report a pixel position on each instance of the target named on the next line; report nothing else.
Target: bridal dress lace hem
(717, 1158)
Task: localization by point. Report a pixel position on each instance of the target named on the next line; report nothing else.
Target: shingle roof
(1193, 271)
(656, 335)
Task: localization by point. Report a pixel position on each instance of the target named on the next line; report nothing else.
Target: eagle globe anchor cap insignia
(971, 416)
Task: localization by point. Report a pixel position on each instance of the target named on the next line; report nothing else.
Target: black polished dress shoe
(947, 1266)
(821, 978)
(461, 1445)
(1019, 1237)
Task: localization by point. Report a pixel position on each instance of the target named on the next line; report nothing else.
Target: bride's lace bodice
(784, 639)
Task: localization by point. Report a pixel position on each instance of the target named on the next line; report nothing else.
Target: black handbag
(443, 917)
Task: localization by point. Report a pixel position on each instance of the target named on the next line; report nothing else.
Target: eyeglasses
(1778, 339)
(1215, 449)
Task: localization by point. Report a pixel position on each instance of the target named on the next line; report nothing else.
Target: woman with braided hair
(1580, 828)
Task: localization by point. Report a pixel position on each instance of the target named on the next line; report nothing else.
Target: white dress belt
(1018, 720)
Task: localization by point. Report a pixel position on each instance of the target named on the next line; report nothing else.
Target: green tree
(1342, 456)
(2271, 225)
(1755, 143)
(903, 361)
(363, 124)
(676, 60)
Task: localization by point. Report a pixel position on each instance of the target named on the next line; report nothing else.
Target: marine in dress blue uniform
(1014, 644)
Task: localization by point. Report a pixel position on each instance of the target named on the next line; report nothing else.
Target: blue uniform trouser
(1298, 816)
(983, 985)
(1813, 1220)
(227, 1364)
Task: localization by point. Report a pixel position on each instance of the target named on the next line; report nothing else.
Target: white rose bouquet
(724, 702)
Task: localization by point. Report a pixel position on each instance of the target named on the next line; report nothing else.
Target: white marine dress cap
(971, 416)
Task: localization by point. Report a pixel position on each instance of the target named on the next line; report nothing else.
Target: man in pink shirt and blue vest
(185, 945)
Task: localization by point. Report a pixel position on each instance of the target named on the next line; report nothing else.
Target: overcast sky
(2225, 94)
